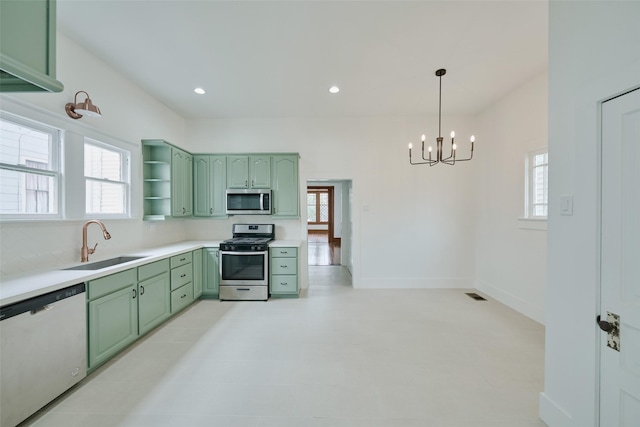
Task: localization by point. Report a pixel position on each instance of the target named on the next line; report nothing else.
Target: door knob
(604, 325)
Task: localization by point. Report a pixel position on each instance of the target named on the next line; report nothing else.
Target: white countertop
(20, 288)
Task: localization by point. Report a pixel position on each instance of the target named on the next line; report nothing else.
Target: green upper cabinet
(286, 194)
(168, 180)
(181, 183)
(249, 171)
(28, 46)
(209, 185)
(156, 176)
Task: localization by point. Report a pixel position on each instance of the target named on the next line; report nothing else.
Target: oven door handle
(244, 253)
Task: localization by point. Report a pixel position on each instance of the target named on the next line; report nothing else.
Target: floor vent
(475, 296)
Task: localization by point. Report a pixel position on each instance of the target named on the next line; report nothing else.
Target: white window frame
(530, 182)
(56, 171)
(126, 179)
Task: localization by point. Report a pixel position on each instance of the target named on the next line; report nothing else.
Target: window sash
(98, 200)
(537, 184)
(27, 197)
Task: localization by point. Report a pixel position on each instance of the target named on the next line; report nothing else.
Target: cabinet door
(187, 178)
(197, 273)
(237, 172)
(218, 185)
(212, 273)
(201, 186)
(260, 171)
(113, 324)
(153, 302)
(285, 186)
(178, 182)
(28, 46)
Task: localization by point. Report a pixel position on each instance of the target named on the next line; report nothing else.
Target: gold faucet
(86, 251)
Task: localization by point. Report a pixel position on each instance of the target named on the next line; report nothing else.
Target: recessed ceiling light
(334, 89)
(199, 91)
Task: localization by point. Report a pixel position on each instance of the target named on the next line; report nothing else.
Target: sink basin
(106, 263)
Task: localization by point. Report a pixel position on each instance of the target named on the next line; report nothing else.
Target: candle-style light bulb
(472, 139)
(430, 148)
(453, 134)
(455, 146)
(410, 146)
(424, 137)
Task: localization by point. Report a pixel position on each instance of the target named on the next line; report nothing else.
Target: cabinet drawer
(181, 276)
(154, 269)
(284, 283)
(106, 285)
(284, 266)
(182, 297)
(182, 259)
(284, 252)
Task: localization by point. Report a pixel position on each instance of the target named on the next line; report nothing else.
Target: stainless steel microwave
(248, 202)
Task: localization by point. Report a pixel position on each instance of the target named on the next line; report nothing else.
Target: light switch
(566, 205)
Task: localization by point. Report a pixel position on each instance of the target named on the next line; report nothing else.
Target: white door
(620, 262)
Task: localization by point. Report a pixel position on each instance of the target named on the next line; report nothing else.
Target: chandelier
(439, 155)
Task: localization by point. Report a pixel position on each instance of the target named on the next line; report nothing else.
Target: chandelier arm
(430, 163)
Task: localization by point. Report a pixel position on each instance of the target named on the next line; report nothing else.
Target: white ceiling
(278, 58)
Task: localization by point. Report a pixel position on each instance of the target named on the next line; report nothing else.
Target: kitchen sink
(106, 263)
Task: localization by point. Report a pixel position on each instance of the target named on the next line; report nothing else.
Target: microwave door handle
(261, 201)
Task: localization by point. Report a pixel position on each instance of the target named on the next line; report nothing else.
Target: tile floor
(335, 357)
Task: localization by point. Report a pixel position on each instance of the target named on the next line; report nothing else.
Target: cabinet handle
(141, 290)
(210, 210)
(284, 283)
(183, 275)
(284, 252)
(246, 183)
(184, 210)
(182, 259)
(134, 294)
(283, 266)
(183, 296)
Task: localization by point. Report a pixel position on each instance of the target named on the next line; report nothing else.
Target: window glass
(29, 169)
(106, 179)
(538, 184)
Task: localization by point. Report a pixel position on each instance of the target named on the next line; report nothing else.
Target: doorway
(328, 222)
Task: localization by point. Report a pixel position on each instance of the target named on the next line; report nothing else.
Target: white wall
(511, 260)
(413, 226)
(129, 114)
(593, 55)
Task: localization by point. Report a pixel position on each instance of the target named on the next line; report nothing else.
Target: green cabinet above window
(28, 46)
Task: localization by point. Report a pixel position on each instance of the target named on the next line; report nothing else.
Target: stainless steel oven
(244, 263)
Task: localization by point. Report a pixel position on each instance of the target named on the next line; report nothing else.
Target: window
(106, 172)
(29, 169)
(318, 206)
(537, 184)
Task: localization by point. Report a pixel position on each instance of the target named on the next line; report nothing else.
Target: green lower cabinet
(284, 272)
(181, 297)
(211, 282)
(113, 324)
(197, 273)
(153, 302)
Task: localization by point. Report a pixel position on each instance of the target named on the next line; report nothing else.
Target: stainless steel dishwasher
(43, 351)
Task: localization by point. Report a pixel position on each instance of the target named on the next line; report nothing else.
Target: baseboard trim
(421, 283)
(552, 414)
(512, 301)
